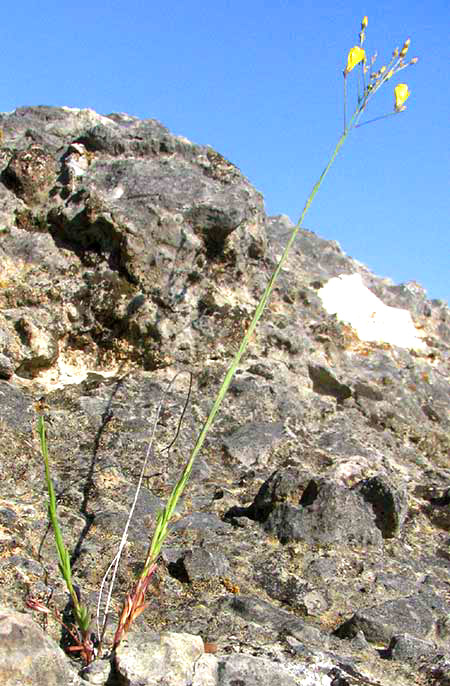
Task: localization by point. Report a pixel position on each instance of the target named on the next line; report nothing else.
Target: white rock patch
(351, 301)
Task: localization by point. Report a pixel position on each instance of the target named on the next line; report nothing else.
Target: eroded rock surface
(312, 542)
(29, 657)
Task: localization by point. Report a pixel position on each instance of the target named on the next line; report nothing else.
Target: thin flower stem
(370, 121)
(345, 102)
(161, 529)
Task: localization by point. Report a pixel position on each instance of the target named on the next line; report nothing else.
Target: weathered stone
(98, 673)
(380, 623)
(205, 564)
(6, 367)
(328, 514)
(158, 660)
(408, 648)
(439, 514)
(28, 656)
(438, 670)
(256, 610)
(325, 382)
(389, 504)
(246, 670)
(252, 443)
(30, 174)
(282, 486)
(16, 408)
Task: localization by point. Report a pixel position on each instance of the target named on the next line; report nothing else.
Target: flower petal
(355, 56)
(402, 93)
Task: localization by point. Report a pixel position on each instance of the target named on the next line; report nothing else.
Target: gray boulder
(28, 656)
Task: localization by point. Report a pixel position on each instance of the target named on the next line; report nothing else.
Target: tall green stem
(161, 529)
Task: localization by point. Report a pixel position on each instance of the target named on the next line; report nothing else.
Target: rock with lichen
(311, 542)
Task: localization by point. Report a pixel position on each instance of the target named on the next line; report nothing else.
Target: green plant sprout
(81, 614)
(369, 83)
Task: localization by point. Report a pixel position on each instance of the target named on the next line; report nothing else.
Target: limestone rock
(151, 660)
(30, 657)
(327, 513)
(314, 528)
(389, 504)
(379, 624)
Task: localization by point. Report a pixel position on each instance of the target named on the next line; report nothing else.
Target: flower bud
(404, 50)
(364, 23)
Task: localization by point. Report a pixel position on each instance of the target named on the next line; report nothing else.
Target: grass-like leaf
(81, 613)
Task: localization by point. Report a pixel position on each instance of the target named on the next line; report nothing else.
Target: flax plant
(81, 635)
(135, 601)
(369, 83)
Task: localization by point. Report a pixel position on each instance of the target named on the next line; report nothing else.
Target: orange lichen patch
(210, 647)
(230, 586)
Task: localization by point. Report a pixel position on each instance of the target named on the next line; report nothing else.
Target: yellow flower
(402, 93)
(364, 23)
(355, 56)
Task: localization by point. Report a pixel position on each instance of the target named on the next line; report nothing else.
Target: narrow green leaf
(81, 614)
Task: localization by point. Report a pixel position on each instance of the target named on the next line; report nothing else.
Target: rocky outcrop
(29, 656)
(311, 546)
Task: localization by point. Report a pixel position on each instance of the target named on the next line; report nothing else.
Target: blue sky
(262, 83)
